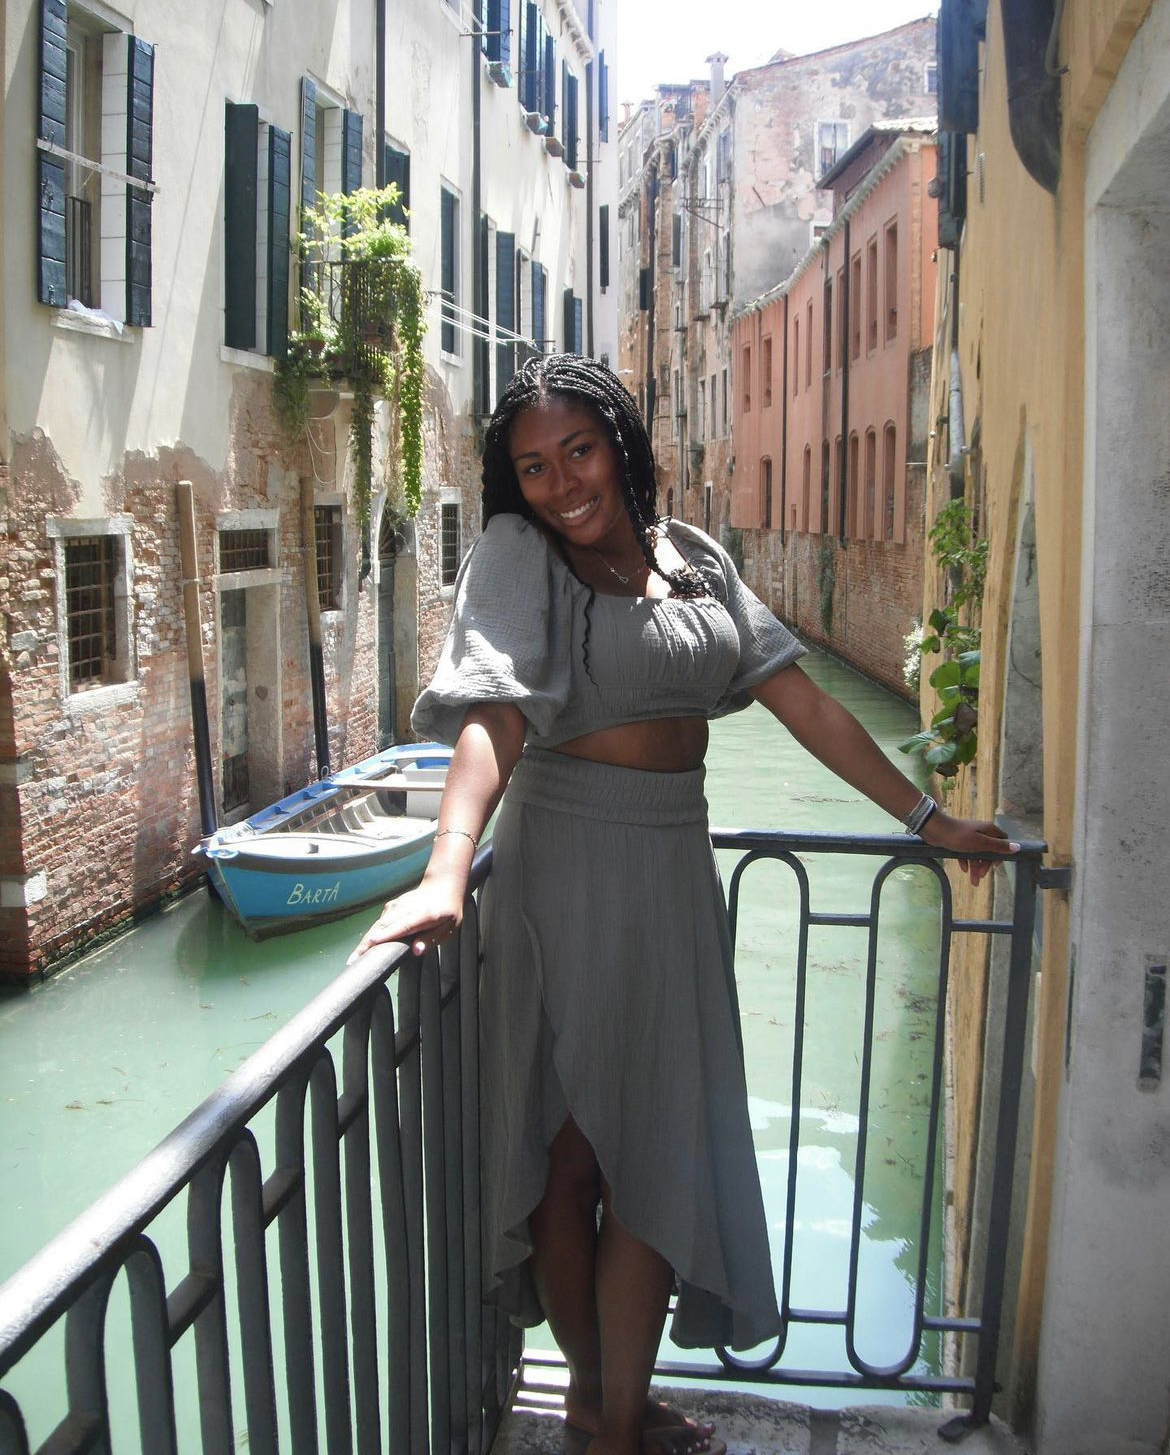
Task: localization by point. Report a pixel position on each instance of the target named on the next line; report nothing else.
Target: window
(722, 397)
(824, 520)
(540, 307)
(602, 98)
(448, 270)
(871, 295)
(707, 507)
(766, 374)
(676, 240)
(839, 491)
(327, 519)
(331, 161)
(827, 342)
(806, 489)
(396, 169)
(449, 552)
(747, 379)
(930, 78)
(94, 160)
(574, 324)
(852, 510)
(889, 466)
(603, 247)
(891, 281)
(256, 217)
(832, 144)
(497, 39)
(91, 570)
(569, 116)
(867, 530)
(244, 549)
(701, 422)
(808, 335)
(855, 306)
(766, 494)
(796, 355)
(507, 316)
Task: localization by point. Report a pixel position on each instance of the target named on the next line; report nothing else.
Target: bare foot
(665, 1430)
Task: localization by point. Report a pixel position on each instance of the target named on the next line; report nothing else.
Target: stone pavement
(753, 1424)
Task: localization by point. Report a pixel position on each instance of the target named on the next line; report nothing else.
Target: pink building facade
(832, 372)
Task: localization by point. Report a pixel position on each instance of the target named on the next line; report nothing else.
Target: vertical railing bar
(795, 1114)
(938, 1060)
(13, 1434)
(326, 1161)
(293, 1244)
(205, 1252)
(355, 1078)
(452, 1062)
(469, 1122)
(1015, 1019)
(434, 1157)
(252, 1291)
(410, 1093)
(862, 1130)
(85, 1360)
(395, 1242)
(150, 1331)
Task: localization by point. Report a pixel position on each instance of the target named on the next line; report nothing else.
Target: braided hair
(585, 382)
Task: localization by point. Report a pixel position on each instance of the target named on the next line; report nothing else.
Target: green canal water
(97, 1065)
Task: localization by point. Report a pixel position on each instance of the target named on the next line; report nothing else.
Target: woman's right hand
(421, 918)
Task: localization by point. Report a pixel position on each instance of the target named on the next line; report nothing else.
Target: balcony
(329, 1265)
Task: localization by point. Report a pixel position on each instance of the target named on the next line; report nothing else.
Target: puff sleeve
(765, 644)
(510, 635)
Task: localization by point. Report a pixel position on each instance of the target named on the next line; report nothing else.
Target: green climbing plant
(361, 318)
(951, 738)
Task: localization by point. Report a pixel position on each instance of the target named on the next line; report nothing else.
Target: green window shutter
(279, 218)
(308, 164)
(139, 164)
(565, 108)
(505, 306)
(548, 97)
(567, 319)
(539, 278)
(603, 98)
(351, 151)
(603, 245)
(447, 255)
(570, 120)
(396, 169)
(480, 349)
(578, 326)
(51, 171)
(241, 132)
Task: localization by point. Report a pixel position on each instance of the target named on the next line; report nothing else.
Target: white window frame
(449, 497)
(448, 356)
(60, 531)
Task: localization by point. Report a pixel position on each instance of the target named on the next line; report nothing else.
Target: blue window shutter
(497, 43)
(396, 169)
(548, 97)
(570, 120)
(241, 131)
(139, 163)
(351, 151)
(538, 305)
(504, 40)
(578, 326)
(50, 171)
(565, 107)
(567, 319)
(603, 98)
(505, 306)
(279, 217)
(308, 164)
(530, 78)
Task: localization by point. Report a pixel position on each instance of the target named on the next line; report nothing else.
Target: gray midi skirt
(607, 995)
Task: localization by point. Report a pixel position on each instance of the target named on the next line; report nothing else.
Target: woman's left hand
(967, 835)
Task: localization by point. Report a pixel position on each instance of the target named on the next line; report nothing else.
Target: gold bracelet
(462, 832)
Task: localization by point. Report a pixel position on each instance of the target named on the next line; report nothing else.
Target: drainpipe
(380, 93)
(591, 158)
(844, 344)
(478, 234)
(189, 561)
(784, 428)
(958, 443)
(652, 280)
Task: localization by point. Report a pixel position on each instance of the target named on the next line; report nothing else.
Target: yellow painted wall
(1021, 345)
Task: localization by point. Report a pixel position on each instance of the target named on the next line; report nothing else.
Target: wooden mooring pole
(313, 611)
(189, 563)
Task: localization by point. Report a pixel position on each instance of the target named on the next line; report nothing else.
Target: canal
(100, 1062)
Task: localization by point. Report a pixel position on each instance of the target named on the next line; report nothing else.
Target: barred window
(449, 539)
(244, 550)
(329, 563)
(91, 569)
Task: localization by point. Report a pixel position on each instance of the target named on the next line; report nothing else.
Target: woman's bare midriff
(662, 745)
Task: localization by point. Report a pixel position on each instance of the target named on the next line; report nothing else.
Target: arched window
(852, 514)
(766, 493)
(870, 485)
(824, 520)
(805, 490)
(889, 467)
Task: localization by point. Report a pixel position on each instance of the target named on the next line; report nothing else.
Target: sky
(660, 42)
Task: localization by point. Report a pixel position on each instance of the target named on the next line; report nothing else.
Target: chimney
(718, 84)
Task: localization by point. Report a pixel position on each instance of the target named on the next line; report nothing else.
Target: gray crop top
(518, 634)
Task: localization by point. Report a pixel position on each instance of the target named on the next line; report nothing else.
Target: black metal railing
(363, 1233)
(386, 1343)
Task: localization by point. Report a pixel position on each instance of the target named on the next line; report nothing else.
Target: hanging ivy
(362, 320)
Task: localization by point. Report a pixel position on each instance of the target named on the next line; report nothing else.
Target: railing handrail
(895, 845)
(43, 1288)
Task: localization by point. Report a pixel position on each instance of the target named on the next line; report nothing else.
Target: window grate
(328, 520)
(449, 539)
(91, 565)
(244, 550)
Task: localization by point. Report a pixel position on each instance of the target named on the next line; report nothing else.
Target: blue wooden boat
(360, 835)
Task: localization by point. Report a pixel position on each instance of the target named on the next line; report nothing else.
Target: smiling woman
(591, 643)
